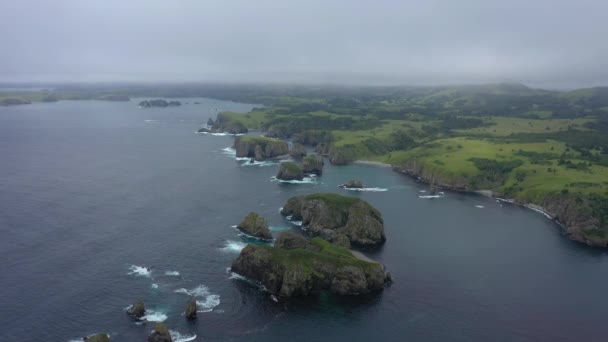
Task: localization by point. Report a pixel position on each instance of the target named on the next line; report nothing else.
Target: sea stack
(137, 310)
(190, 312)
(255, 225)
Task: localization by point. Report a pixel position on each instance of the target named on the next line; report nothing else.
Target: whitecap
(367, 189)
(172, 273)
(479, 206)
(154, 286)
(233, 246)
(199, 291)
(177, 337)
(154, 316)
(430, 196)
(208, 303)
(142, 271)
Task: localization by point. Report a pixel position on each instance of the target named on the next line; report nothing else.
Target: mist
(549, 43)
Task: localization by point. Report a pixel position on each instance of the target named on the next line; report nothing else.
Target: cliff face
(223, 123)
(245, 146)
(312, 164)
(576, 219)
(429, 175)
(290, 171)
(338, 219)
(303, 271)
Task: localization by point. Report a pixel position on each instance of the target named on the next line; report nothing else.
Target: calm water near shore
(91, 192)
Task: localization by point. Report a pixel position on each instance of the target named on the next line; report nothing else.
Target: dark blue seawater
(91, 190)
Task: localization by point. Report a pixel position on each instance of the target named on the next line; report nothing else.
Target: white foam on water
(367, 189)
(152, 121)
(236, 276)
(479, 206)
(232, 246)
(278, 229)
(229, 151)
(208, 300)
(422, 191)
(199, 291)
(305, 180)
(172, 273)
(208, 303)
(154, 286)
(257, 163)
(140, 271)
(154, 316)
(430, 196)
(177, 337)
(297, 223)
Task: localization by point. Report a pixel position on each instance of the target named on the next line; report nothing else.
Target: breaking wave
(142, 271)
(177, 337)
(207, 301)
(479, 206)
(367, 189)
(154, 286)
(306, 180)
(172, 273)
(233, 246)
(257, 163)
(429, 196)
(154, 316)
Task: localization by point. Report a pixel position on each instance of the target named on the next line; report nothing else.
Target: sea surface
(103, 204)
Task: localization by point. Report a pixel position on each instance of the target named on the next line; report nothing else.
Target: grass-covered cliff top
(257, 140)
(320, 250)
(335, 200)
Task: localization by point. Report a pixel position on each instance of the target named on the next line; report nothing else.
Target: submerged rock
(160, 334)
(313, 165)
(317, 267)
(137, 310)
(255, 225)
(290, 171)
(353, 184)
(190, 312)
(97, 338)
(290, 240)
(297, 151)
(330, 215)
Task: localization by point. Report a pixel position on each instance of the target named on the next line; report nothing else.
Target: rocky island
(300, 267)
(159, 103)
(224, 124)
(338, 219)
(256, 226)
(290, 171)
(260, 148)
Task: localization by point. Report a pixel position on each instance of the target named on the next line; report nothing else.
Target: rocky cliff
(245, 146)
(290, 171)
(312, 165)
(255, 225)
(338, 218)
(316, 267)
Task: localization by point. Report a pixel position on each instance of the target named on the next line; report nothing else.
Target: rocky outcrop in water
(97, 338)
(317, 267)
(160, 334)
(353, 184)
(160, 103)
(332, 216)
(256, 226)
(298, 151)
(190, 312)
(137, 310)
(290, 171)
(269, 148)
(312, 165)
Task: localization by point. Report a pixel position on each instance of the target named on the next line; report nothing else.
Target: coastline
(372, 163)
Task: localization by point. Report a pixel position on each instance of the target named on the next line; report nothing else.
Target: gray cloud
(544, 42)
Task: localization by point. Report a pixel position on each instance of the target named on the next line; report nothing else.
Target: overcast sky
(541, 42)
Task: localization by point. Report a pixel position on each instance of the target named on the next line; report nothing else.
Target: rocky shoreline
(560, 208)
